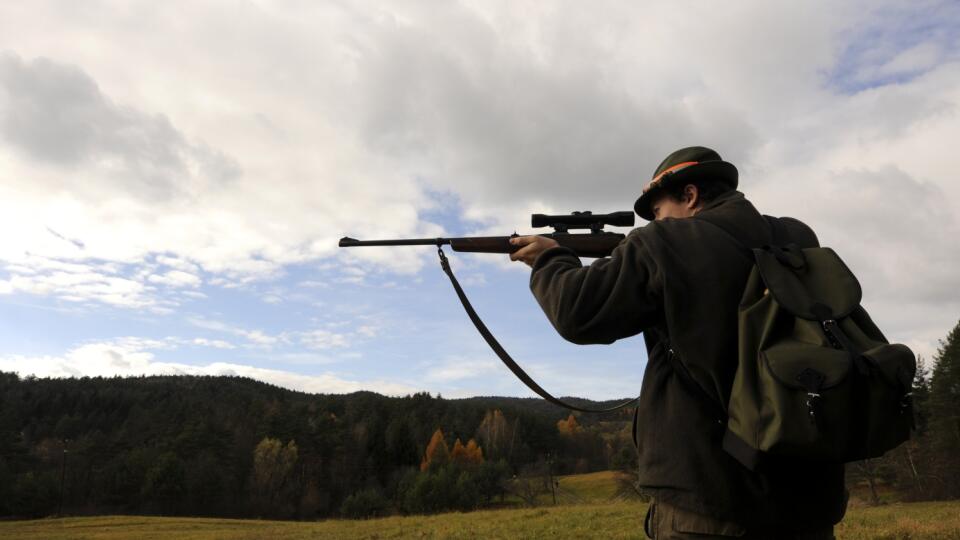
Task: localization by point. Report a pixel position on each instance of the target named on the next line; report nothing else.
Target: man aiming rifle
(679, 280)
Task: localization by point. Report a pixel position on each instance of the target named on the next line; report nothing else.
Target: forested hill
(233, 446)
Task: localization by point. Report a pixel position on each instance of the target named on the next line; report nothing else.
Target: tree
(495, 434)
(473, 452)
(165, 483)
(401, 449)
(466, 456)
(437, 454)
(944, 418)
(366, 503)
(273, 465)
(532, 482)
(568, 427)
(491, 477)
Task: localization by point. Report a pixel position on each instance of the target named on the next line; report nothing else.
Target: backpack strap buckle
(813, 400)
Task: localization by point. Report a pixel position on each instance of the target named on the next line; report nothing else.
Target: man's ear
(691, 196)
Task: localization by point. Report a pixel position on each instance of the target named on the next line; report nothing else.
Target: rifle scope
(583, 220)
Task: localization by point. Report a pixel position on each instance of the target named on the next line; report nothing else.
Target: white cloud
(215, 343)
(843, 115)
(78, 283)
(322, 339)
(255, 338)
(456, 368)
(175, 278)
(132, 357)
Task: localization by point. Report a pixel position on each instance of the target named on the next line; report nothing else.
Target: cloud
(215, 343)
(56, 114)
(255, 338)
(456, 368)
(322, 339)
(130, 357)
(175, 278)
(89, 178)
(78, 283)
(225, 158)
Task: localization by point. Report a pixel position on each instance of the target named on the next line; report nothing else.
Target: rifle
(596, 243)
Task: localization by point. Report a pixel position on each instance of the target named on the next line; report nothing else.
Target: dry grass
(916, 521)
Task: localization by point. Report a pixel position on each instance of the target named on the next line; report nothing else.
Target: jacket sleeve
(613, 298)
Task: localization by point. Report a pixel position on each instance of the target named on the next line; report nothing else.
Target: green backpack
(816, 378)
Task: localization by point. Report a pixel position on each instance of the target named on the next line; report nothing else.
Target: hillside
(188, 445)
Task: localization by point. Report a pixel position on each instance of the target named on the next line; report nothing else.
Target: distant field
(917, 521)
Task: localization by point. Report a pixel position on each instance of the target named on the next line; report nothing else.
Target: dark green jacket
(679, 281)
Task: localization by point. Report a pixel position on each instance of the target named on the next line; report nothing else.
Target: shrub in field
(490, 478)
(444, 489)
(364, 504)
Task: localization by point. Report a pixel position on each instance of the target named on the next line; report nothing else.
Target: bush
(364, 504)
(447, 488)
(490, 478)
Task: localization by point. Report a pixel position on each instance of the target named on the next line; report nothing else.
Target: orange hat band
(670, 170)
(674, 169)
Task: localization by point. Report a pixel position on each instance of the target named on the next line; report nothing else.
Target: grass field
(589, 508)
(917, 521)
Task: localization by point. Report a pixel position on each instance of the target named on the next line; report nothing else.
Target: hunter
(679, 280)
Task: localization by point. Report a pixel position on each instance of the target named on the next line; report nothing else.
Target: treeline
(228, 446)
(927, 467)
(234, 447)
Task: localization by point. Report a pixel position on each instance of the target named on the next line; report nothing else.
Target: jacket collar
(726, 198)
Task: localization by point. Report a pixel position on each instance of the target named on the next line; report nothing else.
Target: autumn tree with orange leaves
(569, 427)
(437, 454)
(466, 456)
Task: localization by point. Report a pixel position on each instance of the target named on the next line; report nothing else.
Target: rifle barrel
(346, 241)
(585, 245)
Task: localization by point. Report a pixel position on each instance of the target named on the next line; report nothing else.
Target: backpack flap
(800, 366)
(807, 383)
(800, 278)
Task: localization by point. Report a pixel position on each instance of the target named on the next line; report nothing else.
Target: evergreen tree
(944, 420)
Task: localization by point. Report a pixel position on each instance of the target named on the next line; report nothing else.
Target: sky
(174, 176)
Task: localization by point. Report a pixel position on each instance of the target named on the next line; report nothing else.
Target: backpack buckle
(906, 402)
(812, 399)
(828, 326)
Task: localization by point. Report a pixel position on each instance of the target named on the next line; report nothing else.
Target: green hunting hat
(685, 165)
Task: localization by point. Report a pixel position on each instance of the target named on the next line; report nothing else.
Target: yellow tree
(494, 433)
(466, 455)
(273, 468)
(473, 452)
(568, 427)
(437, 453)
(459, 453)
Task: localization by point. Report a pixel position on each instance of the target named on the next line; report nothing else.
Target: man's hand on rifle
(532, 247)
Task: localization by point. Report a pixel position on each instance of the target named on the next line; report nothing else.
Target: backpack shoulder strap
(778, 234)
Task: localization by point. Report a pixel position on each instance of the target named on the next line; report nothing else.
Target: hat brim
(721, 171)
